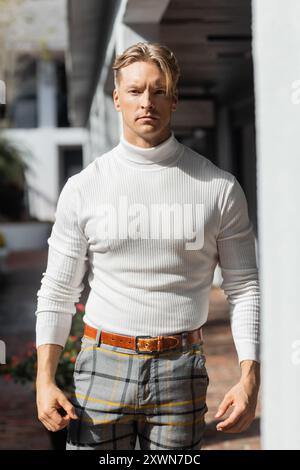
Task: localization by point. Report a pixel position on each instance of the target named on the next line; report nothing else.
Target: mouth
(147, 117)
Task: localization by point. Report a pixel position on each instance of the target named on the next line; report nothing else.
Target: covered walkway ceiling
(211, 39)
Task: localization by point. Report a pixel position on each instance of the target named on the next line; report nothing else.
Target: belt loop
(98, 337)
(184, 336)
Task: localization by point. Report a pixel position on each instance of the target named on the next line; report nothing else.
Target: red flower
(15, 360)
(73, 338)
(80, 308)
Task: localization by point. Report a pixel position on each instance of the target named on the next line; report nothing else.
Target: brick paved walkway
(19, 426)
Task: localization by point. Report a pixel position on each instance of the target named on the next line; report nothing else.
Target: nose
(146, 101)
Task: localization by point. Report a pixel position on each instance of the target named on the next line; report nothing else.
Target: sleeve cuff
(248, 351)
(53, 328)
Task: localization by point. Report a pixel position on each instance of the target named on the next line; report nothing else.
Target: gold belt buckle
(160, 344)
(137, 350)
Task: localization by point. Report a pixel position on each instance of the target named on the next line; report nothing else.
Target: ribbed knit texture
(141, 283)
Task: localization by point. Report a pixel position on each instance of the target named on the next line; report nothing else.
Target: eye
(134, 92)
(161, 92)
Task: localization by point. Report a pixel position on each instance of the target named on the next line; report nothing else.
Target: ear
(116, 100)
(174, 100)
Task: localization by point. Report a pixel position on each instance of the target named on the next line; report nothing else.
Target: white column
(276, 45)
(46, 93)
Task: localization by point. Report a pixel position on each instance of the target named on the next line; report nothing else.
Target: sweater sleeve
(237, 259)
(62, 282)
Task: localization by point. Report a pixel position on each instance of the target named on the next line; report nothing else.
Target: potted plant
(12, 180)
(22, 368)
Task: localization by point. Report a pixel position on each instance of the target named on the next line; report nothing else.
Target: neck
(146, 142)
(156, 157)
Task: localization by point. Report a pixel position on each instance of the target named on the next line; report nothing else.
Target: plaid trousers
(121, 394)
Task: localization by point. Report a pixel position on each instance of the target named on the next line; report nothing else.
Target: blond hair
(161, 55)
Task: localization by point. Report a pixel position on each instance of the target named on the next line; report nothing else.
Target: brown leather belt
(144, 343)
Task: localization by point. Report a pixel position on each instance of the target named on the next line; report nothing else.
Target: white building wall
(276, 45)
(41, 146)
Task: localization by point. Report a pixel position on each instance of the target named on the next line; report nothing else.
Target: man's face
(142, 92)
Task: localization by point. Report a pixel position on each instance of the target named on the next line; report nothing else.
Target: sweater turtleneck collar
(157, 157)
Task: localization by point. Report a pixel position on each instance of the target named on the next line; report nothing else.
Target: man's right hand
(49, 400)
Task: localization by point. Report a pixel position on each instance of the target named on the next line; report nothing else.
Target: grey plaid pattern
(120, 394)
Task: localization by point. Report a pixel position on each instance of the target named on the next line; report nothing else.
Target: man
(151, 219)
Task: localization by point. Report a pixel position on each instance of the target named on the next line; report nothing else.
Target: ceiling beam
(146, 11)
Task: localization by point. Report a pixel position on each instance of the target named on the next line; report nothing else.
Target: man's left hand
(243, 397)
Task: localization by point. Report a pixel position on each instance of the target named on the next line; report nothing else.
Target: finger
(232, 419)
(45, 419)
(57, 426)
(47, 425)
(238, 426)
(56, 419)
(242, 424)
(225, 404)
(68, 407)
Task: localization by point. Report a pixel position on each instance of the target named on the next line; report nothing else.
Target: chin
(147, 129)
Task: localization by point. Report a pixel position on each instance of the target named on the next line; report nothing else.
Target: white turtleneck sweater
(151, 224)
